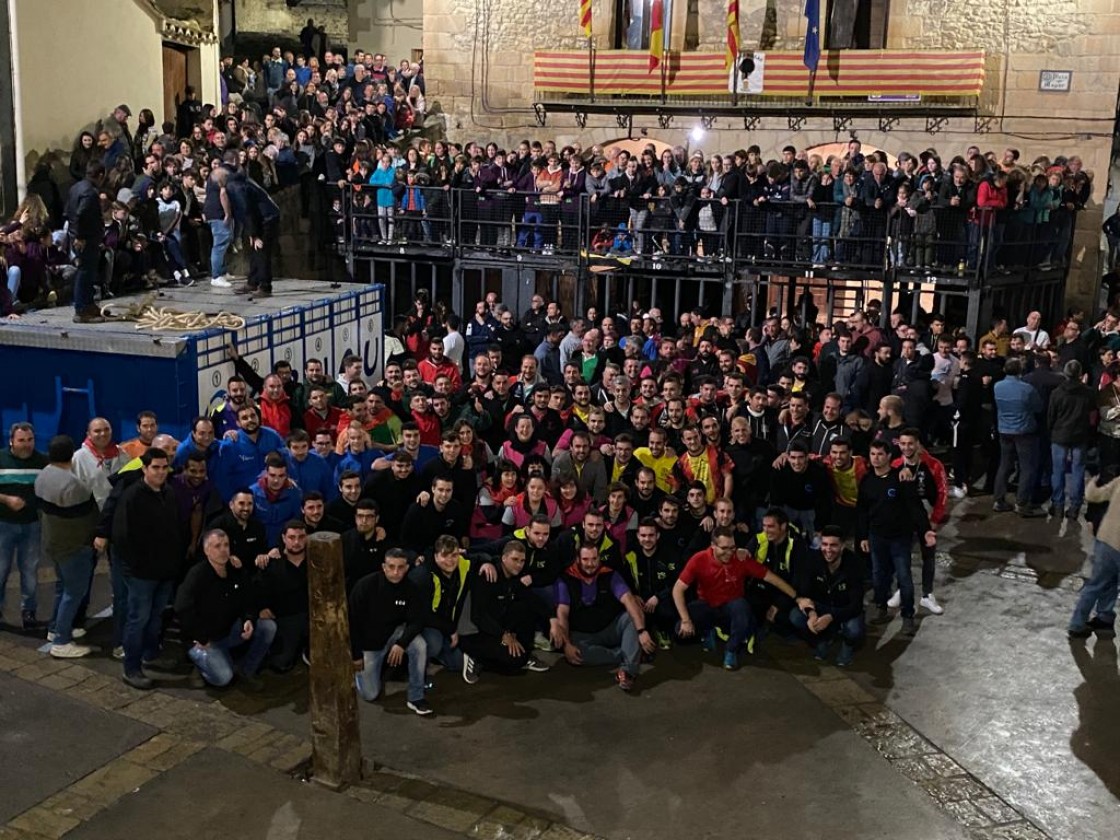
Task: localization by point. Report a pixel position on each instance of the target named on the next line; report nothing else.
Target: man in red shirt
(437, 363)
(719, 574)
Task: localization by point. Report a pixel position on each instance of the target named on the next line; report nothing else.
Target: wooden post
(336, 747)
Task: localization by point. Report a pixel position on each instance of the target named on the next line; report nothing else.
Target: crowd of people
(605, 487)
(156, 204)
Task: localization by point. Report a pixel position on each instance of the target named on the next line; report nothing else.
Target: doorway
(176, 59)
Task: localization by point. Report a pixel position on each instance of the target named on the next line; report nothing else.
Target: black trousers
(290, 641)
(260, 259)
(489, 652)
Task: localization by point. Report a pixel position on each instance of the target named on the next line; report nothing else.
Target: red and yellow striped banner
(840, 73)
(585, 17)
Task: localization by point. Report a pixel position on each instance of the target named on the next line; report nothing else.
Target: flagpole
(591, 66)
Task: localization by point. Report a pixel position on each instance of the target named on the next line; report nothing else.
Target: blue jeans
(1099, 592)
(440, 650)
(890, 558)
(15, 276)
(146, 600)
(70, 588)
(1059, 455)
(215, 661)
(822, 232)
(221, 234)
(86, 278)
(369, 680)
(851, 632)
(617, 643)
(735, 617)
(19, 546)
(1025, 447)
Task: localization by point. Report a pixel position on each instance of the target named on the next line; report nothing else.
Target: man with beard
(315, 515)
(284, 597)
(364, 545)
(241, 454)
(313, 375)
(394, 490)
(197, 499)
(647, 496)
(655, 568)
(441, 514)
(832, 579)
(343, 508)
(224, 415)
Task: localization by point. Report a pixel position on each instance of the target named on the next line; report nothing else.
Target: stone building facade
(479, 67)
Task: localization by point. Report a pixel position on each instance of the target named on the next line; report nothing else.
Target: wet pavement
(987, 724)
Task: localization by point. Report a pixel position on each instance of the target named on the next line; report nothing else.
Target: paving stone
(410, 792)
(204, 726)
(111, 697)
(452, 809)
(914, 769)
(954, 789)
(113, 781)
(563, 832)
(257, 743)
(66, 803)
(77, 673)
(293, 758)
(997, 810)
(7, 663)
(21, 653)
(57, 682)
(1016, 831)
(944, 766)
(967, 814)
(154, 746)
(45, 666)
(899, 742)
(9, 833)
(45, 822)
(244, 734)
(179, 753)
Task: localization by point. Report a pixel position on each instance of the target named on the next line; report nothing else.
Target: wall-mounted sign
(1054, 81)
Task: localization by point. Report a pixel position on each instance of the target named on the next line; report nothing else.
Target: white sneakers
(957, 493)
(70, 651)
(222, 282)
(929, 602)
(75, 633)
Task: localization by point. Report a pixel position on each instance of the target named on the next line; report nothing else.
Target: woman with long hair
(532, 501)
(490, 505)
(85, 150)
(572, 501)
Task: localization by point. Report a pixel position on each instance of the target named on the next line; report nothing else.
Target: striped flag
(732, 33)
(656, 34)
(585, 17)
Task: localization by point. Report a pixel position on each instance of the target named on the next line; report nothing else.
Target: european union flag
(812, 34)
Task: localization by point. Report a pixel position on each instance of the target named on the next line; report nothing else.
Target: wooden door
(174, 79)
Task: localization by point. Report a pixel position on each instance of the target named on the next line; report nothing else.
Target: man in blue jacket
(276, 498)
(309, 470)
(1018, 408)
(241, 454)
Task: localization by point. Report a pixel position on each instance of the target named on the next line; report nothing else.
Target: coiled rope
(149, 317)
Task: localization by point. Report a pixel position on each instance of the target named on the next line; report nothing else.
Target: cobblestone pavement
(988, 724)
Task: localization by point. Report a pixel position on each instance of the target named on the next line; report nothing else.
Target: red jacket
(430, 429)
(429, 370)
(313, 422)
(938, 495)
(277, 415)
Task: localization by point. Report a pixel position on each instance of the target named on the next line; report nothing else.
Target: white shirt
(1039, 339)
(454, 346)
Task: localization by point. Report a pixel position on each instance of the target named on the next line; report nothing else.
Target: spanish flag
(732, 34)
(585, 17)
(656, 34)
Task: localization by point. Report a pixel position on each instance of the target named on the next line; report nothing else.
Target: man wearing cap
(119, 120)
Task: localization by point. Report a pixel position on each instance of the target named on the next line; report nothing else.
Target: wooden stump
(336, 748)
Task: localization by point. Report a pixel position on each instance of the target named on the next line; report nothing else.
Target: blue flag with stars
(812, 34)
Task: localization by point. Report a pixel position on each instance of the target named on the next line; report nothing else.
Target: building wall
(393, 28)
(275, 16)
(121, 62)
(1021, 37)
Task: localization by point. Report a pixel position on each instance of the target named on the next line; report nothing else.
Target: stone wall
(478, 59)
(275, 17)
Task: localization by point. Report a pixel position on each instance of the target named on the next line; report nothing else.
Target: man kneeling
(503, 617)
(216, 610)
(834, 584)
(599, 620)
(386, 617)
(719, 574)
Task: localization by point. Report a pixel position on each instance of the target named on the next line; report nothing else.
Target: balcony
(883, 82)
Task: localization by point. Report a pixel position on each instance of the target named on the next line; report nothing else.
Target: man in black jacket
(284, 597)
(833, 579)
(83, 212)
(364, 545)
(217, 607)
(147, 538)
(386, 619)
(248, 545)
(254, 209)
(499, 636)
(394, 490)
(889, 513)
(1069, 418)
